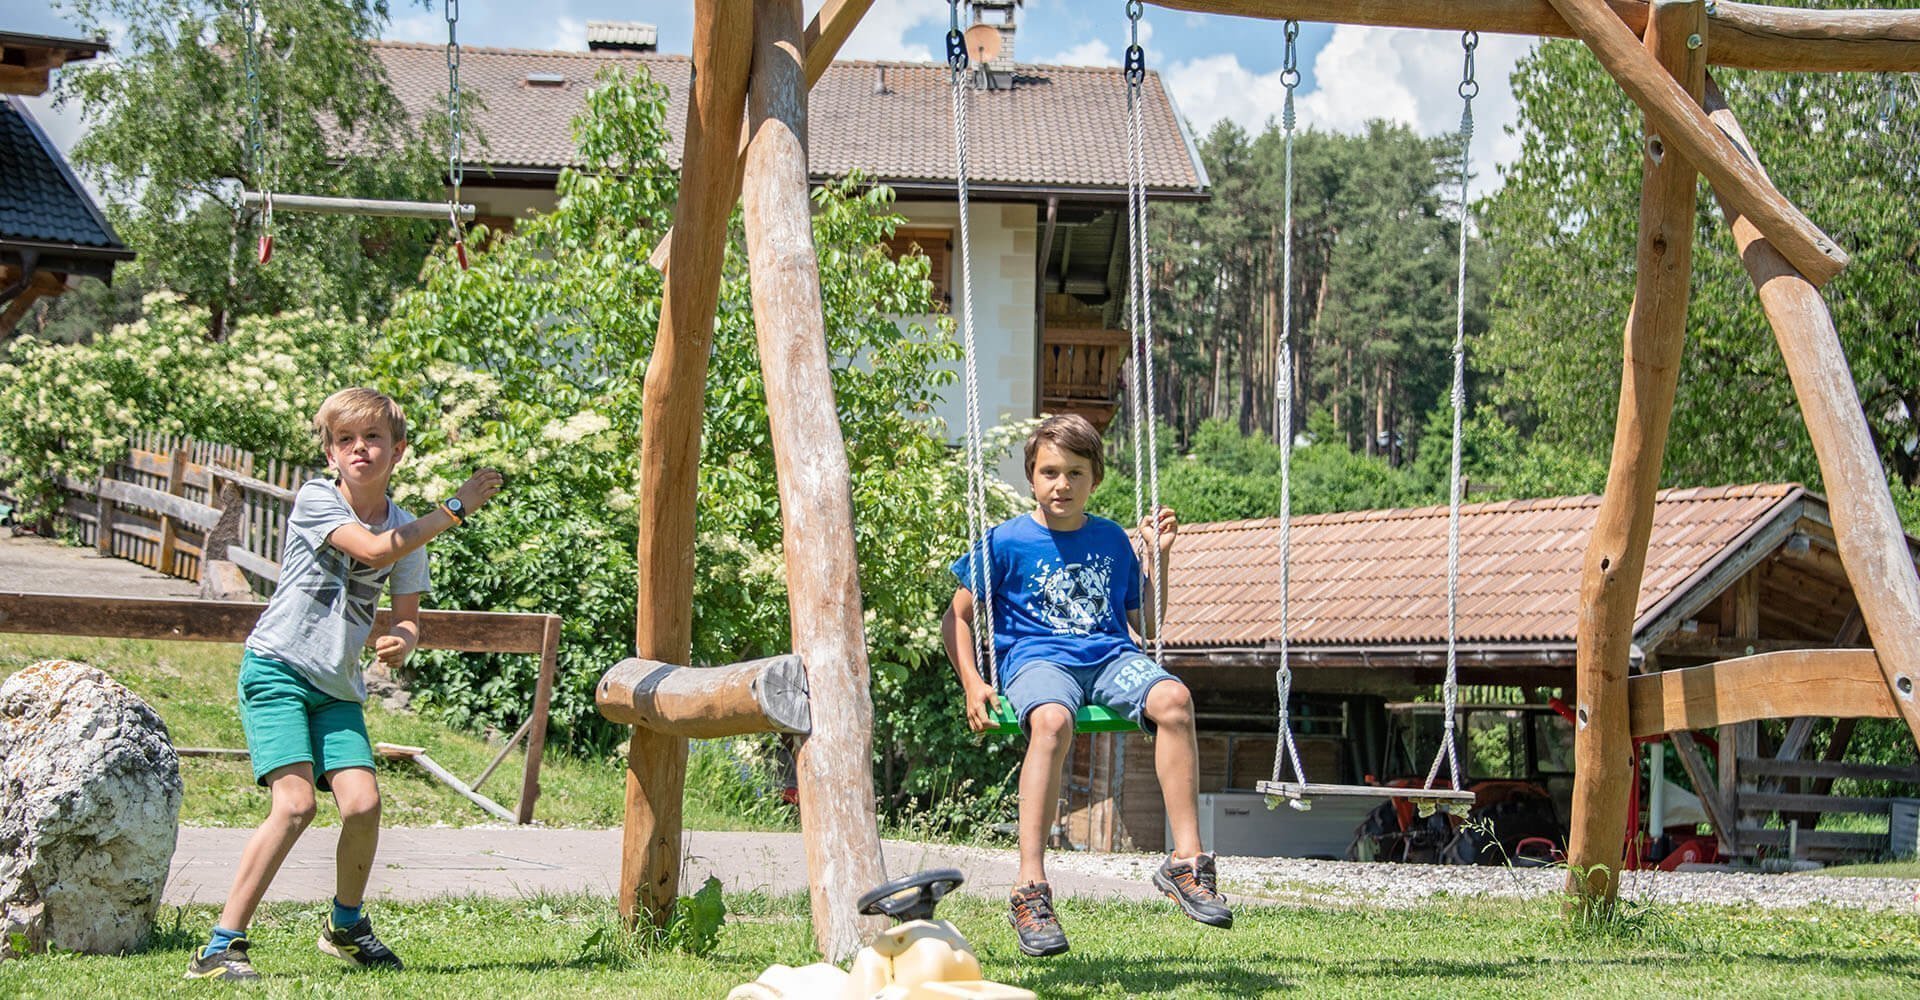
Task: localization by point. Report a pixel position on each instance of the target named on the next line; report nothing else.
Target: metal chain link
(456, 165)
(258, 165)
(1450, 690)
(1285, 751)
(979, 532)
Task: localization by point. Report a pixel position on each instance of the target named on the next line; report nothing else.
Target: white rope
(1142, 336)
(979, 541)
(1285, 750)
(1450, 690)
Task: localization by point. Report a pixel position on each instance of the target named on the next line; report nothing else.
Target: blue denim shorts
(1120, 684)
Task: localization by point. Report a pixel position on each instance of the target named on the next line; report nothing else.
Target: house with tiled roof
(1731, 571)
(1048, 182)
(51, 232)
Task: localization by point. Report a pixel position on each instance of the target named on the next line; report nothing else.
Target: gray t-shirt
(322, 611)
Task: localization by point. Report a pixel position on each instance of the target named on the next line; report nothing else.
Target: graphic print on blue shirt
(1060, 596)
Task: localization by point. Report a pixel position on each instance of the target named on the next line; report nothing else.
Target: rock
(89, 810)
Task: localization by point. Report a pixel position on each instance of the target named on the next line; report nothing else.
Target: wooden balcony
(1080, 372)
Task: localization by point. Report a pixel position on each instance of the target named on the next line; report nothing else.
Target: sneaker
(356, 945)
(229, 963)
(1196, 887)
(1034, 922)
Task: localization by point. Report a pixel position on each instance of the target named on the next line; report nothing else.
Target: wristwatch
(455, 509)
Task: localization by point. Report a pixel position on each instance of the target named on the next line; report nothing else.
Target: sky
(1215, 67)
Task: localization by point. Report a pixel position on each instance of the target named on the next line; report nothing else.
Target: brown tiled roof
(1380, 577)
(1059, 127)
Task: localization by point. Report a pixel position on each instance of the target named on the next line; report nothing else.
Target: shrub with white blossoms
(68, 409)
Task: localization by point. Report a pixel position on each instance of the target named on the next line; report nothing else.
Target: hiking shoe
(1196, 887)
(1034, 922)
(356, 945)
(229, 963)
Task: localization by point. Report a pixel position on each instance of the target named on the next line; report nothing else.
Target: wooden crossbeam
(1831, 683)
(1742, 35)
(757, 696)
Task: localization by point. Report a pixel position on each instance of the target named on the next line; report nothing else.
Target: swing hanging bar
(1300, 793)
(265, 201)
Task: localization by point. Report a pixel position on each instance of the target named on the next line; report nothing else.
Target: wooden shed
(1731, 571)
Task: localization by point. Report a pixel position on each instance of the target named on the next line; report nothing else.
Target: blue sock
(345, 916)
(219, 941)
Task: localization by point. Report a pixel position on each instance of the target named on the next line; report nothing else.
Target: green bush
(67, 409)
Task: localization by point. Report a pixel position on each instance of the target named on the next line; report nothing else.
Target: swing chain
(257, 164)
(956, 42)
(456, 167)
(1469, 87)
(1290, 72)
(1136, 60)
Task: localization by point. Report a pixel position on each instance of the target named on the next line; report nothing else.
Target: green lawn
(465, 948)
(1909, 868)
(191, 685)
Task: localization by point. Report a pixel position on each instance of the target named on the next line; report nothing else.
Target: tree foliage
(168, 145)
(534, 361)
(1565, 222)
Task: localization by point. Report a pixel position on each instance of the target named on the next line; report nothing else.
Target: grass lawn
(1909, 868)
(191, 685)
(464, 948)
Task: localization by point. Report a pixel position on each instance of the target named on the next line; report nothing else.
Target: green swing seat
(1089, 719)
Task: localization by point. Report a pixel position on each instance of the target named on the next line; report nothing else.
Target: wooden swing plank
(1831, 683)
(1683, 128)
(1745, 35)
(1866, 527)
(386, 209)
(1309, 790)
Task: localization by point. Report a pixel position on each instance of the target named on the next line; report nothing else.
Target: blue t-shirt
(1060, 596)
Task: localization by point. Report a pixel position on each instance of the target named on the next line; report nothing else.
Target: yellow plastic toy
(918, 959)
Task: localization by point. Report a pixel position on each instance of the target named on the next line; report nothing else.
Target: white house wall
(1006, 339)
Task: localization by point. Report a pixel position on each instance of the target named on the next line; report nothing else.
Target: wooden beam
(1831, 769)
(542, 707)
(757, 696)
(1718, 812)
(1866, 527)
(835, 767)
(674, 401)
(828, 30)
(1743, 35)
(1677, 124)
(1786, 802)
(1832, 683)
(1616, 557)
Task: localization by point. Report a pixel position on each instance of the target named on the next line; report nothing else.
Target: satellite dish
(983, 42)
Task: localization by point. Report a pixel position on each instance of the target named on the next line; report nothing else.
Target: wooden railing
(1080, 371)
(231, 621)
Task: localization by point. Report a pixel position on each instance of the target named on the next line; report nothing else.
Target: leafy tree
(534, 361)
(169, 146)
(1565, 222)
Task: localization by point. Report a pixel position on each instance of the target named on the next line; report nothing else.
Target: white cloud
(417, 28)
(569, 35)
(1092, 52)
(899, 29)
(1363, 74)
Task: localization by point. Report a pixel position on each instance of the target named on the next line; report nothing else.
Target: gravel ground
(1290, 880)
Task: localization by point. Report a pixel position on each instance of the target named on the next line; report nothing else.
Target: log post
(537, 722)
(1617, 551)
(169, 528)
(835, 762)
(1866, 528)
(757, 696)
(220, 578)
(103, 516)
(674, 403)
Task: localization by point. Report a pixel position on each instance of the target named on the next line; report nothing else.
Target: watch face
(456, 507)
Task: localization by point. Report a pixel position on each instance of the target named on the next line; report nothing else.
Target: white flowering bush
(533, 361)
(68, 409)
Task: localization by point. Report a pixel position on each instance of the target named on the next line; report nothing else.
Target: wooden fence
(163, 505)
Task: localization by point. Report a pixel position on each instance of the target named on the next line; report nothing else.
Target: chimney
(622, 36)
(1004, 8)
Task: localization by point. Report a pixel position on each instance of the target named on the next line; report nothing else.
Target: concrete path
(422, 862)
(42, 566)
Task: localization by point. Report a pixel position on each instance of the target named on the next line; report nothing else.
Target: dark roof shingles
(42, 200)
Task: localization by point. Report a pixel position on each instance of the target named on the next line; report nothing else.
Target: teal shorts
(289, 721)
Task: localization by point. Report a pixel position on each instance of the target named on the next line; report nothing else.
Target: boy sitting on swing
(1059, 581)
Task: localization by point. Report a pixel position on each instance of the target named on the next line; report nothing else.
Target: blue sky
(1216, 67)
